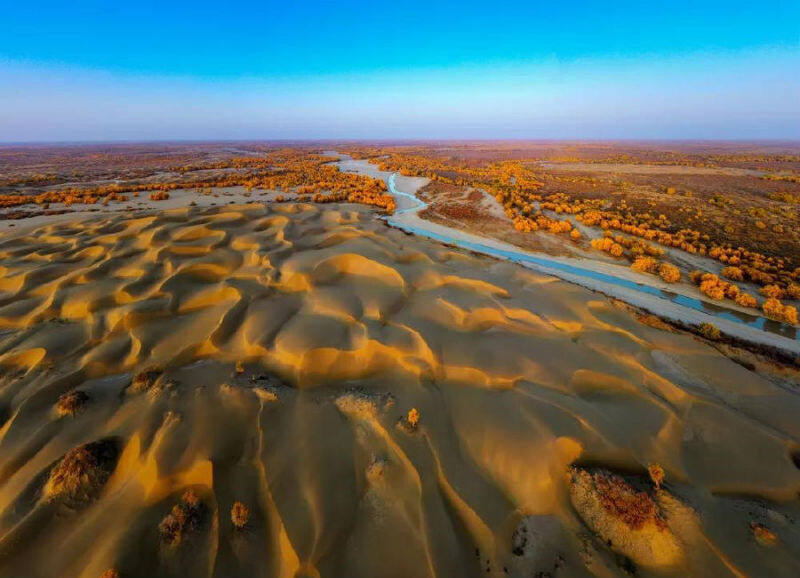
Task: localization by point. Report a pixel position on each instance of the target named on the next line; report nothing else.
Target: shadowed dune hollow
(155, 370)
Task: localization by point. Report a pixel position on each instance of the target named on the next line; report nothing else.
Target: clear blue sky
(523, 69)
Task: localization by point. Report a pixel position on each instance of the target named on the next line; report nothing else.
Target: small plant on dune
(710, 331)
(71, 402)
(763, 535)
(621, 500)
(184, 517)
(159, 196)
(410, 421)
(110, 573)
(656, 474)
(145, 380)
(82, 472)
(239, 515)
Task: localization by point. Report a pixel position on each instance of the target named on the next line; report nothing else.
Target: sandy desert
(292, 389)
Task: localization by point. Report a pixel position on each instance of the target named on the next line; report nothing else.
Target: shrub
(185, 516)
(645, 265)
(656, 474)
(776, 310)
(669, 273)
(712, 288)
(413, 417)
(620, 500)
(763, 535)
(71, 402)
(790, 314)
(772, 291)
(145, 380)
(733, 273)
(710, 331)
(746, 300)
(609, 246)
(239, 515)
(82, 472)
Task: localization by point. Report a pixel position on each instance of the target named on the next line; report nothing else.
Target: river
(625, 285)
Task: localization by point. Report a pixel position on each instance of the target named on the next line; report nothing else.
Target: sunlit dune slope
(156, 370)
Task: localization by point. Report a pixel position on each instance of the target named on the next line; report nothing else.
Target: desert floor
(380, 405)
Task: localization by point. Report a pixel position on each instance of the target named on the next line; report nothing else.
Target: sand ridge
(268, 353)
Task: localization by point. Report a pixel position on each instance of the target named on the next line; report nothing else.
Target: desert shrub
(645, 264)
(622, 501)
(656, 473)
(746, 300)
(239, 515)
(145, 380)
(627, 520)
(669, 273)
(733, 273)
(186, 516)
(776, 310)
(710, 331)
(79, 476)
(159, 196)
(772, 291)
(763, 535)
(790, 314)
(413, 417)
(71, 402)
(712, 287)
(609, 246)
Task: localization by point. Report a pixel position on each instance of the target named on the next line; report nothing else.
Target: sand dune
(157, 369)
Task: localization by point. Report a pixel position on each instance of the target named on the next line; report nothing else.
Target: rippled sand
(155, 370)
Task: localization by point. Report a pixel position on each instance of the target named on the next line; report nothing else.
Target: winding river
(669, 304)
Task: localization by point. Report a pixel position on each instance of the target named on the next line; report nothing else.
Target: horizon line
(741, 140)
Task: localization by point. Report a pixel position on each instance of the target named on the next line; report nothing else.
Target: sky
(101, 71)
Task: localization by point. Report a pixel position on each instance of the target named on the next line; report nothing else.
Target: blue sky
(180, 70)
